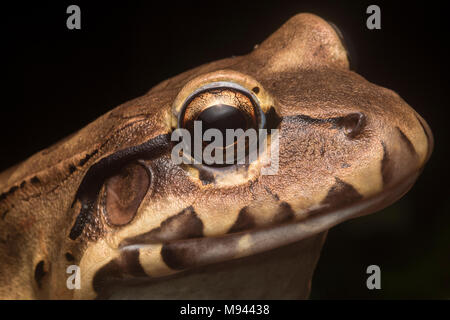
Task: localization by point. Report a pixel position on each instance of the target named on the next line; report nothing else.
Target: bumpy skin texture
(347, 147)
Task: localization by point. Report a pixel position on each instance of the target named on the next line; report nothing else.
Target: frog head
(111, 200)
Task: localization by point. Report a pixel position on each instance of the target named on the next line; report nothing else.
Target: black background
(58, 80)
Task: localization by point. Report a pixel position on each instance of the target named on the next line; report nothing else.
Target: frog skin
(110, 200)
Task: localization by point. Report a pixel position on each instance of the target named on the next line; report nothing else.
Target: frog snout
(406, 149)
(429, 135)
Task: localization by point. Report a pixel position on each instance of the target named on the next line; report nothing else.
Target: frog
(110, 202)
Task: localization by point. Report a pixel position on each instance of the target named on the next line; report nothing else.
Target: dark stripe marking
(408, 142)
(72, 168)
(4, 214)
(87, 157)
(428, 135)
(9, 192)
(184, 225)
(274, 195)
(284, 213)
(386, 166)
(35, 180)
(178, 258)
(179, 255)
(272, 119)
(125, 266)
(341, 194)
(243, 222)
(39, 273)
(69, 257)
(93, 180)
(15, 188)
(205, 176)
(425, 131)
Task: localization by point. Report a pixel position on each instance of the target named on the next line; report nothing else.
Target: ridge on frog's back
(111, 200)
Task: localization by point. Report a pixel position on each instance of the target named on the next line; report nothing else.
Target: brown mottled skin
(347, 148)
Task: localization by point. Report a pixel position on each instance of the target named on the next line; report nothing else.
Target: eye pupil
(222, 117)
(231, 110)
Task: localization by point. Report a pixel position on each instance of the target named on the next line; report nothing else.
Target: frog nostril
(39, 273)
(352, 124)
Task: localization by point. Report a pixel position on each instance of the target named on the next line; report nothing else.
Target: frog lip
(181, 254)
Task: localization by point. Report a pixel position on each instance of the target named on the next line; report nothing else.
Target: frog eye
(123, 193)
(222, 106)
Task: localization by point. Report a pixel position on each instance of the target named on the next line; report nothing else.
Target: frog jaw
(142, 264)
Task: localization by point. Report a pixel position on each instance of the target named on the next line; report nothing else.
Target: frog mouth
(184, 254)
